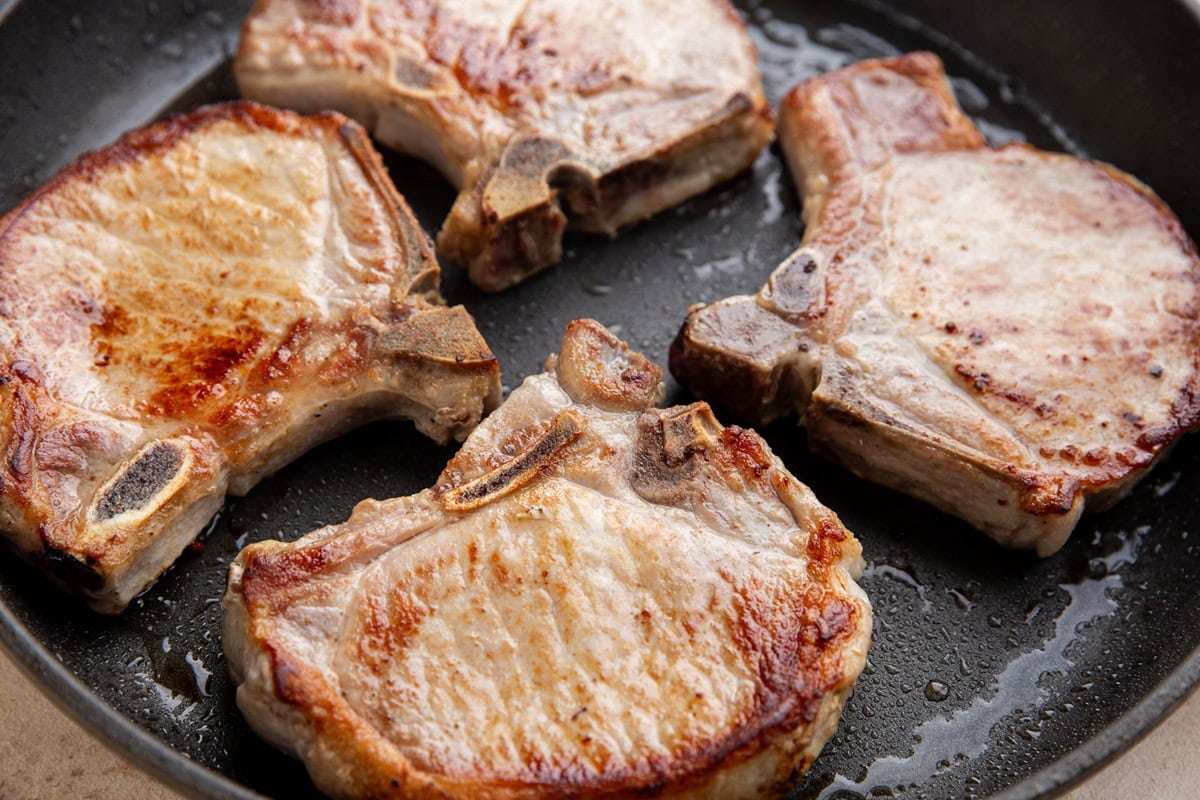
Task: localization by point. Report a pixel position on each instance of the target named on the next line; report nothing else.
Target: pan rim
(153, 756)
(1117, 738)
(150, 754)
(134, 744)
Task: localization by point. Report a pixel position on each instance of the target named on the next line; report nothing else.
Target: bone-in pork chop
(191, 308)
(598, 599)
(544, 113)
(1008, 334)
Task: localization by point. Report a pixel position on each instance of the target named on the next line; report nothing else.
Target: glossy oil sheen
(988, 665)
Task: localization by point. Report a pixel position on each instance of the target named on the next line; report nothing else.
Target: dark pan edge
(1136, 724)
(146, 752)
(151, 755)
(6, 7)
(1098, 752)
(132, 743)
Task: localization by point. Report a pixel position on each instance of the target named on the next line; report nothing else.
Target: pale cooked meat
(1008, 334)
(544, 113)
(191, 308)
(597, 599)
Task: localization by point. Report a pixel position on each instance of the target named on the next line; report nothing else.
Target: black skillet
(992, 673)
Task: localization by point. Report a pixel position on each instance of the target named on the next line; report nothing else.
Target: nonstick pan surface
(992, 673)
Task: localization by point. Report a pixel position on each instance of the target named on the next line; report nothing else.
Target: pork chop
(597, 599)
(1008, 334)
(595, 114)
(191, 308)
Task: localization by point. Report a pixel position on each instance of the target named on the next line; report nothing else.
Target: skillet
(992, 673)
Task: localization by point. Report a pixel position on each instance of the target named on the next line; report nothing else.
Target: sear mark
(72, 571)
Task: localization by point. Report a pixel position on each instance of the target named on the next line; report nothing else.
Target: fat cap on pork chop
(1007, 334)
(598, 599)
(596, 113)
(191, 308)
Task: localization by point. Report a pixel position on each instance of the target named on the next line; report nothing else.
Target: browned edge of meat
(104, 498)
(512, 102)
(315, 629)
(512, 226)
(846, 135)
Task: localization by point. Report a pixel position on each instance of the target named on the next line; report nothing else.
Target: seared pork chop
(191, 308)
(1005, 333)
(596, 114)
(597, 599)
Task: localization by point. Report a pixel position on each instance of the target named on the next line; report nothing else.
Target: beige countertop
(46, 756)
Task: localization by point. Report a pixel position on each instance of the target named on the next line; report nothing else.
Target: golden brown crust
(565, 581)
(598, 369)
(157, 138)
(857, 118)
(1005, 333)
(175, 287)
(593, 115)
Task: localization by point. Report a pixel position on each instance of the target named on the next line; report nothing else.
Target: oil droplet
(597, 289)
(1167, 485)
(1010, 89)
(970, 96)
(936, 691)
(998, 135)
(772, 188)
(200, 672)
(961, 600)
(729, 265)
(1015, 688)
(856, 41)
(903, 577)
